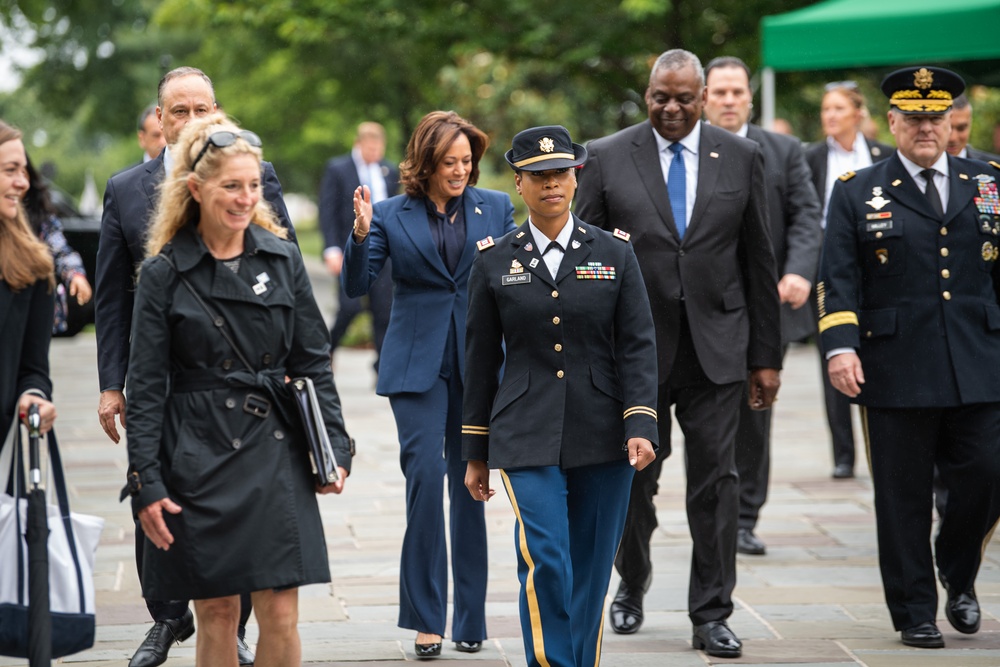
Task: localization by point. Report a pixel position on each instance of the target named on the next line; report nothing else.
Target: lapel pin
(582, 230)
(713, 154)
(896, 182)
(575, 244)
(478, 212)
(964, 177)
(529, 247)
(533, 263)
(485, 243)
(259, 288)
(519, 234)
(263, 278)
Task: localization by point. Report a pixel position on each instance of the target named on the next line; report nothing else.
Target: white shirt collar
(914, 169)
(562, 238)
(690, 142)
(168, 161)
(859, 144)
(742, 132)
(964, 152)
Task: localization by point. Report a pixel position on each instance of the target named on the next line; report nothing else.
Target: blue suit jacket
(427, 299)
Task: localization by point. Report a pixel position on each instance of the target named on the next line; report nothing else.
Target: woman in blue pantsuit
(430, 233)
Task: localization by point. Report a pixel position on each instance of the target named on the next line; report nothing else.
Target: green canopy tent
(868, 33)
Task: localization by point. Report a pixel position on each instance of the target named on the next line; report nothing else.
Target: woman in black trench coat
(26, 293)
(223, 489)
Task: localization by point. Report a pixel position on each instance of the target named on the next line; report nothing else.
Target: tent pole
(767, 98)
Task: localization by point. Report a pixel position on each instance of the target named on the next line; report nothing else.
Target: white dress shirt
(840, 161)
(552, 258)
(690, 153)
(370, 175)
(941, 173)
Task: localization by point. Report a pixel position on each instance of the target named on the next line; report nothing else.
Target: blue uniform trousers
(569, 524)
(430, 437)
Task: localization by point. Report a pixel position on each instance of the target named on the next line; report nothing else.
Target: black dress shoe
(468, 647)
(748, 543)
(243, 652)
(431, 650)
(626, 610)
(843, 471)
(962, 611)
(924, 635)
(716, 639)
(154, 648)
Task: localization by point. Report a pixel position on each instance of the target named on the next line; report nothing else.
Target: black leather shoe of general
(243, 652)
(750, 544)
(154, 648)
(716, 639)
(962, 611)
(924, 635)
(626, 610)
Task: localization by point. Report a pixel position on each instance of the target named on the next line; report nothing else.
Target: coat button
(944, 231)
(944, 252)
(555, 294)
(227, 364)
(947, 295)
(556, 320)
(945, 273)
(230, 403)
(560, 374)
(266, 359)
(237, 443)
(680, 253)
(878, 235)
(279, 434)
(868, 334)
(558, 347)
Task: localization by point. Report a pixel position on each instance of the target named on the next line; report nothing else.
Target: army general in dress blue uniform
(561, 305)
(910, 324)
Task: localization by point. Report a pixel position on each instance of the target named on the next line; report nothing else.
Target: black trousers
(753, 458)
(165, 610)
(905, 445)
(708, 415)
(379, 302)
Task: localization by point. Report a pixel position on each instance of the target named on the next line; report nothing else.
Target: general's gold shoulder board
(619, 234)
(485, 243)
(995, 164)
(848, 176)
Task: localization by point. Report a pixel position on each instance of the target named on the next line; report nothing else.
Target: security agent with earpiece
(910, 325)
(561, 305)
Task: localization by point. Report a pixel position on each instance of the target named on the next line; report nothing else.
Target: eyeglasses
(226, 138)
(834, 85)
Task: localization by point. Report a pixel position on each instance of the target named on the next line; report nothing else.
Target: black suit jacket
(336, 196)
(724, 268)
(914, 293)
(976, 154)
(25, 329)
(129, 201)
(795, 215)
(816, 158)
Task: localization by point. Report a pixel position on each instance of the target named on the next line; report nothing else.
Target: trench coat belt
(270, 382)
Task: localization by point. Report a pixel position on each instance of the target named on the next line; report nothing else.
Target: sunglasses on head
(834, 85)
(226, 138)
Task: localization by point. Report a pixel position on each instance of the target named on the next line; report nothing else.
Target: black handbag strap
(217, 320)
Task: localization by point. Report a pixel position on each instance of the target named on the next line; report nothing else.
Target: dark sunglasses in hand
(226, 138)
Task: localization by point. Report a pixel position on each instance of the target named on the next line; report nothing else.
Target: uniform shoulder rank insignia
(848, 176)
(619, 234)
(995, 164)
(485, 243)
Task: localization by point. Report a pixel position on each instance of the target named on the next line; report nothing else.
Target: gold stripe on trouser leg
(600, 634)
(868, 440)
(529, 581)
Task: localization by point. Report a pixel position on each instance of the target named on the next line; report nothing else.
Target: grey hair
(177, 74)
(961, 102)
(677, 59)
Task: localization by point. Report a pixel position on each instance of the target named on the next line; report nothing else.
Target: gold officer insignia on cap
(848, 176)
(546, 145)
(485, 243)
(619, 234)
(923, 78)
(896, 182)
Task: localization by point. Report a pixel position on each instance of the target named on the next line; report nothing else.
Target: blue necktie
(677, 188)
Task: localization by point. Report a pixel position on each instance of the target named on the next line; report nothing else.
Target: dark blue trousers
(569, 524)
(430, 438)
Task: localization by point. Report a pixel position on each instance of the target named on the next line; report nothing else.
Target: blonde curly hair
(177, 207)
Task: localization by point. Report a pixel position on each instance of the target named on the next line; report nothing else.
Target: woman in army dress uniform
(572, 418)
(223, 485)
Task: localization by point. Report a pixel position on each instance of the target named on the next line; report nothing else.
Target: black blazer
(816, 158)
(976, 154)
(25, 329)
(578, 353)
(724, 269)
(795, 214)
(914, 293)
(336, 196)
(129, 201)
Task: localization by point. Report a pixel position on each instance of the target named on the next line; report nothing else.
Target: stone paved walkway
(815, 599)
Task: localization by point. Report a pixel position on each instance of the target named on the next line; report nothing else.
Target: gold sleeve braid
(838, 319)
(639, 410)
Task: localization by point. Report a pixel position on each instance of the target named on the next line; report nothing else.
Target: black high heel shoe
(423, 651)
